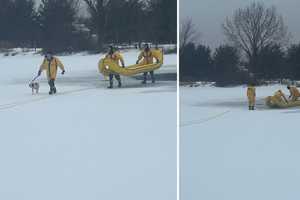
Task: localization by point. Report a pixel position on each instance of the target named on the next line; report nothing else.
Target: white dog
(35, 86)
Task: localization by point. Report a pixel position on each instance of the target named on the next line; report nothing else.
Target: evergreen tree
(226, 61)
(196, 63)
(271, 63)
(293, 60)
(57, 18)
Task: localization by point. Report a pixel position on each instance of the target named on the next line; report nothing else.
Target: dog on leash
(35, 86)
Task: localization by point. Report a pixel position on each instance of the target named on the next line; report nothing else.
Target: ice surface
(230, 153)
(86, 142)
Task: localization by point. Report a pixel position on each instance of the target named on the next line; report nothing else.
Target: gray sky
(208, 15)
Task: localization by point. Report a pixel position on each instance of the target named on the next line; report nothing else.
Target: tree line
(257, 49)
(57, 24)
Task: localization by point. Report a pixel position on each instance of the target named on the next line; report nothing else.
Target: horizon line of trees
(56, 25)
(226, 65)
(257, 49)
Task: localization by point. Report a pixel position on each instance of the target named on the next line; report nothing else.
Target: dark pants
(51, 83)
(111, 81)
(151, 75)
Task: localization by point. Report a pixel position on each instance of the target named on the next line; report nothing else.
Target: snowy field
(86, 142)
(230, 153)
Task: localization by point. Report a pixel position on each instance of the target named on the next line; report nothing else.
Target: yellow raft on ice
(108, 66)
(274, 103)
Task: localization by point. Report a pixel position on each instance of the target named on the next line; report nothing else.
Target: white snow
(86, 142)
(230, 153)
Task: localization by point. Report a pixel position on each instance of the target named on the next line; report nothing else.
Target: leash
(34, 78)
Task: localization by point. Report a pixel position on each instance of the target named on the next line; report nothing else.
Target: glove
(123, 66)
(39, 72)
(63, 72)
(137, 62)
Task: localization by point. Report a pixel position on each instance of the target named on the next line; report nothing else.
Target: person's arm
(284, 98)
(60, 65)
(155, 56)
(42, 67)
(121, 60)
(291, 94)
(139, 58)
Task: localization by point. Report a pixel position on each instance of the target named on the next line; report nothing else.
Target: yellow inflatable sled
(107, 66)
(274, 103)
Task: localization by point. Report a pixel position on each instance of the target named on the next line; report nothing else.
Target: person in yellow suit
(50, 64)
(146, 56)
(116, 57)
(294, 93)
(279, 97)
(251, 94)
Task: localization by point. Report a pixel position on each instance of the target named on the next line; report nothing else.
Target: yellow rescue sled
(107, 66)
(274, 103)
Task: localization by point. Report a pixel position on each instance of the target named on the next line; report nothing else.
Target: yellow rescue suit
(295, 94)
(279, 97)
(251, 94)
(116, 57)
(147, 57)
(51, 67)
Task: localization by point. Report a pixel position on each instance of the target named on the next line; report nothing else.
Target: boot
(110, 81)
(152, 77)
(249, 107)
(119, 80)
(54, 90)
(145, 78)
(110, 85)
(51, 85)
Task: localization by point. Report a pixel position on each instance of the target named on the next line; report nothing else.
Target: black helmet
(111, 49)
(147, 47)
(48, 55)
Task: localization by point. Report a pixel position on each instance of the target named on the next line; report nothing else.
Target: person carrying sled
(50, 64)
(116, 57)
(147, 58)
(294, 93)
(251, 94)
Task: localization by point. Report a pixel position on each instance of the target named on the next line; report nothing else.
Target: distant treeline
(56, 25)
(257, 49)
(225, 65)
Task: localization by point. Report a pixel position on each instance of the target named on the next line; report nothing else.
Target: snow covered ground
(230, 153)
(86, 142)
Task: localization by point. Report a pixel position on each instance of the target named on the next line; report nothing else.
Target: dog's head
(33, 85)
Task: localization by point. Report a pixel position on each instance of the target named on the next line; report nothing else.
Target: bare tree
(188, 34)
(255, 27)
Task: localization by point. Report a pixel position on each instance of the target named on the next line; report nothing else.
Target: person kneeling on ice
(50, 64)
(251, 94)
(279, 97)
(147, 58)
(116, 57)
(294, 93)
